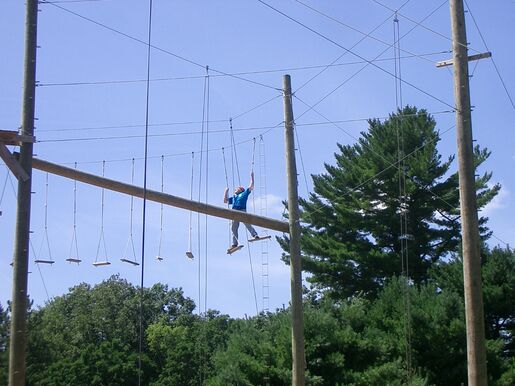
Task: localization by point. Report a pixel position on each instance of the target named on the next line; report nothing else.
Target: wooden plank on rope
(12, 138)
(12, 163)
(471, 58)
(163, 198)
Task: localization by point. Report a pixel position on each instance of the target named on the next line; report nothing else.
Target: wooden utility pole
(476, 352)
(297, 347)
(18, 338)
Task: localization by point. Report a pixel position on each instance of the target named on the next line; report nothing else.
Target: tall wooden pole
(18, 338)
(299, 360)
(476, 352)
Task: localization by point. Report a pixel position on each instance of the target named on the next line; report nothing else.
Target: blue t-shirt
(239, 201)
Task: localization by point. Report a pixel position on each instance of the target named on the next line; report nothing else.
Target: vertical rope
(204, 106)
(398, 54)
(248, 246)
(142, 279)
(301, 157)
(200, 196)
(75, 214)
(265, 289)
(161, 210)
(252, 171)
(132, 200)
(46, 218)
(130, 240)
(191, 199)
(235, 155)
(403, 206)
(102, 238)
(207, 191)
(45, 240)
(74, 235)
(5, 184)
(397, 62)
(227, 186)
(231, 188)
(252, 273)
(46, 201)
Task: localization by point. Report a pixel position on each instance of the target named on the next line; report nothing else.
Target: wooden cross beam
(9, 137)
(471, 58)
(12, 163)
(160, 197)
(12, 138)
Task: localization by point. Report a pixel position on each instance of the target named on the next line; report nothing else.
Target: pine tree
(351, 234)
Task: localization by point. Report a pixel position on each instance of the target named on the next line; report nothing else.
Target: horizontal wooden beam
(13, 138)
(471, 58)
(163, 198)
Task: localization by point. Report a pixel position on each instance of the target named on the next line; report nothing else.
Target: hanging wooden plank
(163, 198)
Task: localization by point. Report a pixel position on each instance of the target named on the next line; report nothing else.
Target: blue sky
(92, 67)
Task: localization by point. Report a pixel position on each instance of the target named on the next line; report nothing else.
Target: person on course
(239, 202)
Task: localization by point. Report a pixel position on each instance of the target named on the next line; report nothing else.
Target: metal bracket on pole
(471, 58)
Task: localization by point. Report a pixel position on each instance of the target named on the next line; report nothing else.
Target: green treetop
(351, 238)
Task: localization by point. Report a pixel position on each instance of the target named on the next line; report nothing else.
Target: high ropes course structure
(22, 163)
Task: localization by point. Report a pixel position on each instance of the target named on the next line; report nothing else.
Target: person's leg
(234, 229)
(251, 230)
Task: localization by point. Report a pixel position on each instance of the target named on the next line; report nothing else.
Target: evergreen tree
(498, 284)
(4, 342)
(351, 238)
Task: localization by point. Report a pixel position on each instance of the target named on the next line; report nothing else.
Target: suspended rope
(234, 156)
(397, 61)
(265, 285)
(227, 186)
(199, 240)
(189, 252)
(40, 272)
(204, 129)
(301, 157)
(206, 118)
(404, 237)
(74, 258)
(45, 241)
(159, 256)
(252, 171)
(144, 214)
(247, 232)
(101, 241)
(3, 188)
(130, 242)
(252, 274)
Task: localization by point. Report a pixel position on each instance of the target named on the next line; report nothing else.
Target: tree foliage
(351, 238)
(4, 342)
(498, 283)
(409, 334)
(94, 332)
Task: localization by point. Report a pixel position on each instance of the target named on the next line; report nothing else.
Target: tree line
(371, 316)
